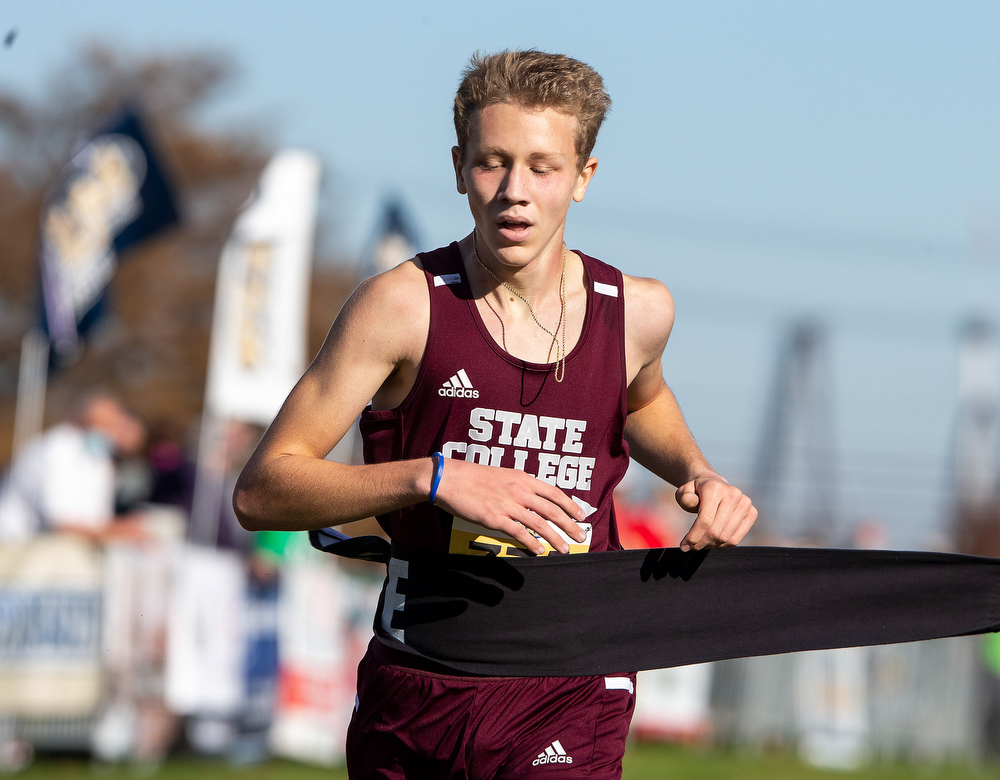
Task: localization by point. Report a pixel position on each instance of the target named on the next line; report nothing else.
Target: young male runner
(535, 371)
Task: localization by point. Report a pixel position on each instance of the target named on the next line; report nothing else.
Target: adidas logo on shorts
(553, 754)
(459, 386)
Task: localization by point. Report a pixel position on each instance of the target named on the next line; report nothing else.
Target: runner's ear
(583, 179)
(456, 160)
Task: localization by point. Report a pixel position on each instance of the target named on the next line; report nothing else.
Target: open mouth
(513, 227)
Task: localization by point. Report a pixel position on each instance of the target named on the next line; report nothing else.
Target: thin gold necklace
(560, 373)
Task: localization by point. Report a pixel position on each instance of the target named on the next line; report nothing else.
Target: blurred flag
(258, 348)
(111, 195)
(394, 242)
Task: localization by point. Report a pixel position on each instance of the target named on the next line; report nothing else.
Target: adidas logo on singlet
(459, 386)
(553, 754)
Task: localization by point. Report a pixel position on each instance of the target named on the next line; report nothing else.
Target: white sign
(258, 348)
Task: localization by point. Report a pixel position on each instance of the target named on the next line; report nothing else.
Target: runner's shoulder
(398, 298)
(649, 310)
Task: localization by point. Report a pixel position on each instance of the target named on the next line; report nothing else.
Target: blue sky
(767, 160)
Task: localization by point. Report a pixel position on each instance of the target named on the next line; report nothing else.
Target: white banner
(323, 631)
(205, 633)
(258, 348)
(832, 708)
(672, 705)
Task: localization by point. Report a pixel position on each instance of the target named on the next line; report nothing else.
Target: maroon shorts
(417, 723)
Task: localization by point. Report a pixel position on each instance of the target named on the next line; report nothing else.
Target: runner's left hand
(725, 513)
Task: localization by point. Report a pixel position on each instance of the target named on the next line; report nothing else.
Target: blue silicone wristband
(438, 471)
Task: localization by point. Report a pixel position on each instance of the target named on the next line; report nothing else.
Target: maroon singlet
(473, 400)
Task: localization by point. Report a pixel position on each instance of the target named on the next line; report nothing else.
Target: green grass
(642, 762)
(667, 762)
(175, 769)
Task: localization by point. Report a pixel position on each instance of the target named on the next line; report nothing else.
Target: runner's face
(520, 174)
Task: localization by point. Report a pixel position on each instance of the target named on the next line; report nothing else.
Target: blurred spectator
(241, 438)
(64, 479)
(646, 524)
(133, 483)
(172, 471)
(246, 732)
(870, 533)
(990, 692)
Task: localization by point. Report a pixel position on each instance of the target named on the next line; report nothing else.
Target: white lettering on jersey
(527, 434)
(553, 445)
(481, 430)
(509, 420)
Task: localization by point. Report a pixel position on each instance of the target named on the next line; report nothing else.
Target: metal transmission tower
(977, 519)
(795, 472)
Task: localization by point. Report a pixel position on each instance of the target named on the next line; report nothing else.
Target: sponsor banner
(132, 722)
(258, 348)
(315, 685)
(673, 704)
(261, 669)
(50, 628)
(111, 195)
(831, 707)
(205, 636)
(324, 628)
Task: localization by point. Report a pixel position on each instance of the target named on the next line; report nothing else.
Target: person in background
(64, 479)
(647, 522)
(172, 470)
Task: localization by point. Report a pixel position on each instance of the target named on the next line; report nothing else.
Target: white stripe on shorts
(619, 684)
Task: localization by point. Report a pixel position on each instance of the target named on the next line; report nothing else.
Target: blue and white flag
(395, 240)
(111, 195)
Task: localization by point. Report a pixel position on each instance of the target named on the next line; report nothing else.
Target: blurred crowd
(243, 648)
(107, 481)
(96, 473)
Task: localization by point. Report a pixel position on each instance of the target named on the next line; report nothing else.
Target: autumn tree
(152, 349)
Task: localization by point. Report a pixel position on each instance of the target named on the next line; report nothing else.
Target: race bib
(470, 539)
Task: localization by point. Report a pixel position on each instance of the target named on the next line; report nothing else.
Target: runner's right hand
(509, 501)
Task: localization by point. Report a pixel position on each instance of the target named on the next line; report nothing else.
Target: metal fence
(920, 702)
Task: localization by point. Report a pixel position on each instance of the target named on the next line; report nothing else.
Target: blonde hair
(533, 79)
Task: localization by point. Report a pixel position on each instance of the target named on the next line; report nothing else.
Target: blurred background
(189, 192)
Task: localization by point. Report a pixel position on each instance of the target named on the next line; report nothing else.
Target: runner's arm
(657, 434)
(375, 344)
(287, 484)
